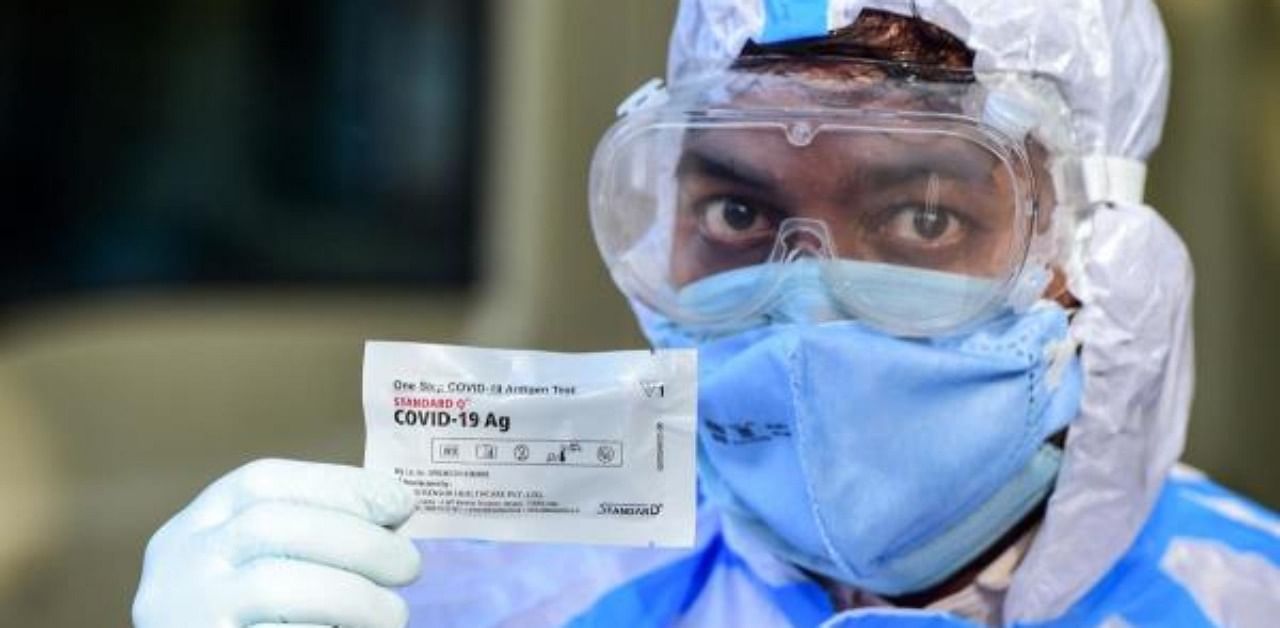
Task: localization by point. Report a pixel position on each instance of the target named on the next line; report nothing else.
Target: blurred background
(211, 205)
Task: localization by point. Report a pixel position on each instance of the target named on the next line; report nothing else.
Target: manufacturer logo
(630, 509)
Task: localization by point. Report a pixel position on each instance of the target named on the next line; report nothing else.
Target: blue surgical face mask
(882, 462)
(886, 295)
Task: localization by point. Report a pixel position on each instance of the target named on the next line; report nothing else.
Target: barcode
(661, 462)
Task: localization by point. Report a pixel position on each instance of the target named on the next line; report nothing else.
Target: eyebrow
(695, 161)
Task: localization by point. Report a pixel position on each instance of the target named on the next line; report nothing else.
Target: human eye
(925, 226)
(733, 222)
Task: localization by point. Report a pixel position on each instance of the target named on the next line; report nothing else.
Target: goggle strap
(1110, 179)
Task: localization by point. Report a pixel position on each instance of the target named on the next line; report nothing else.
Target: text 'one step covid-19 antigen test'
(509, 445)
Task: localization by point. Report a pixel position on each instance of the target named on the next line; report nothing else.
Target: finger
(328, 537)
(372, 496)
(282, 591)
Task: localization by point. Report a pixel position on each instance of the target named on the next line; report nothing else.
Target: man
(944, 354)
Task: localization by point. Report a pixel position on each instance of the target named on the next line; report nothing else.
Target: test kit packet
(511, 445)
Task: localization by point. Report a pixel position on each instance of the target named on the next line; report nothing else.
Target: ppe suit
(1128, 537)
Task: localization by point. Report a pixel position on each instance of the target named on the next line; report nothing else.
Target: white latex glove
(282, 542)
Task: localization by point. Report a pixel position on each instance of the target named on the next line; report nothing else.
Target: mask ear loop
(1059, 356)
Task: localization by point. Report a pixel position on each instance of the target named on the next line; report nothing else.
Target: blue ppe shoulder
(713, 587)
(1206, 557)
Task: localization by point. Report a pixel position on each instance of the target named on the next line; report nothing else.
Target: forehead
(802, 124)
(771, 156)
(778, 134)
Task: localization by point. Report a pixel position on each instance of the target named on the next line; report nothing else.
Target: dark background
(157, 144)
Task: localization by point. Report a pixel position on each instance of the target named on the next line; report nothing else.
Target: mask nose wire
(800, 238)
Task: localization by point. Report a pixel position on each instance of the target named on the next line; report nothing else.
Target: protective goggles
(751, 197)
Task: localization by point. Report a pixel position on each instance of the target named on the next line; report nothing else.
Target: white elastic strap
(1059, 355)
(1109, 179)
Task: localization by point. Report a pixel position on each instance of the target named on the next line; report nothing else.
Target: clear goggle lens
(915, 222)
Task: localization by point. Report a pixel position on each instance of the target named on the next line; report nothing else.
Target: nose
(803, 238)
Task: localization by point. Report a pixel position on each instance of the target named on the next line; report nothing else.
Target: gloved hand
(279, 541)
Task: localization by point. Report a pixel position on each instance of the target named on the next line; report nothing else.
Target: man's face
(924, 200)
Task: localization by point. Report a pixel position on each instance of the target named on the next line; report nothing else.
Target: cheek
(1047, 203)
(684, 266)
(1009, 231)
(1045, 195)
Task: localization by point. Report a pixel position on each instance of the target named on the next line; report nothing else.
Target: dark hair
(897, 46)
